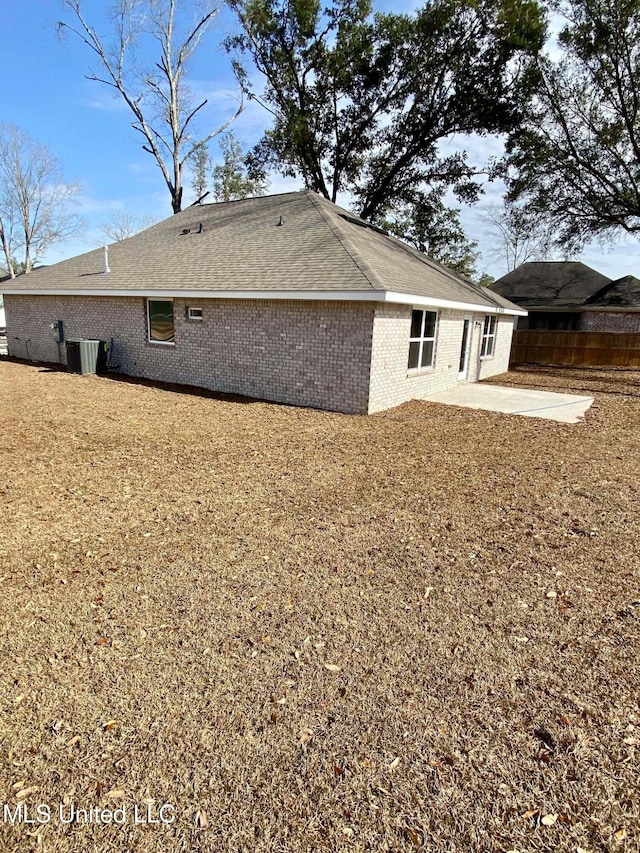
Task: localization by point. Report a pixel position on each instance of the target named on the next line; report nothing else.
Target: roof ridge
(611, 287)
(624, 278)
(427, 260)
(431, 262)
(206, 204)
(343, 239)
(602, 291)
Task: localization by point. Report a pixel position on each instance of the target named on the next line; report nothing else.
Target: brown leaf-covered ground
(307, 631)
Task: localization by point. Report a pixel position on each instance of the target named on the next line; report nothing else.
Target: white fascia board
(431, 302)
(342, 295)
(332, 295)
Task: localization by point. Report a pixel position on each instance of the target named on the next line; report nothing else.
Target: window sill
(161, 343)
(487, 357)
(419, 371)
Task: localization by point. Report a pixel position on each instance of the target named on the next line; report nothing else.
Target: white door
(465, 348)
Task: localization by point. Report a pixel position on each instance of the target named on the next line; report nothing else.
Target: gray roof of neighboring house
(550, 284)
(621, 293)
(240, 246)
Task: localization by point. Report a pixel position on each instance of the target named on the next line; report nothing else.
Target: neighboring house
(614, 308)
(287, 298)
(553, 292)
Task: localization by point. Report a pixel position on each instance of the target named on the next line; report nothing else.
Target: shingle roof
(550, 284)
(241, 246)
(621, 293)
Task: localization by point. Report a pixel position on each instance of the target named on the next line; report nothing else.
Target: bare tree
(157, 94)
(123, 225)
(515, 238)
(36, 206)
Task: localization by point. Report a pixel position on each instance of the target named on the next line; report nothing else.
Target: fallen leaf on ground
(23, 793)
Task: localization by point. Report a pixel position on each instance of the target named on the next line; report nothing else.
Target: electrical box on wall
(58, 331)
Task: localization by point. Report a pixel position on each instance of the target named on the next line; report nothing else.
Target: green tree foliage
(201, 163)
(237, 176)
(369, 105)
(575, 162)
(485, 280)
(437, 231)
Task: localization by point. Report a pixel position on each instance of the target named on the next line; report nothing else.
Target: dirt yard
(276, 629)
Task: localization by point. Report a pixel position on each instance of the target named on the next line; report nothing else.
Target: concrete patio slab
(566, 408)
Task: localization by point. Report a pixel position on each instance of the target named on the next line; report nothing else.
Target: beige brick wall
(307, 353)
(609, 321)
(391, 381)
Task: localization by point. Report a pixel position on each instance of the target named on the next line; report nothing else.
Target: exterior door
(465, 349)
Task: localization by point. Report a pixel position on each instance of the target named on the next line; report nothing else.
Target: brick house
(613, 308)
(553, 292)
(287, 298)
(570, 296)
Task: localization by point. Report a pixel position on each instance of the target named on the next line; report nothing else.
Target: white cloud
(215, 92)
(88, 204)
(104, 100)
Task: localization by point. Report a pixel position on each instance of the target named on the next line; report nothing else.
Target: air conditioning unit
(86, 356)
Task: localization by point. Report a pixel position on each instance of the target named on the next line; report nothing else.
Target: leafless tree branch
(157, 97)
(36, 206)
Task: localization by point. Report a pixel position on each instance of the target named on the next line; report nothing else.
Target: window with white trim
(422, 342)
(194, 313)
(488, 336)
(160, 321)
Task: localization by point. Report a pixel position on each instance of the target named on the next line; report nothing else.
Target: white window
(422, 342)
(160, 321)
(488, 336)
(194, 313)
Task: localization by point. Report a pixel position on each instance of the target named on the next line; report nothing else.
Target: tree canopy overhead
(575, 161)
(363, 103)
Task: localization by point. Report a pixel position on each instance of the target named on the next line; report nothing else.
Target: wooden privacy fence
(580, 349)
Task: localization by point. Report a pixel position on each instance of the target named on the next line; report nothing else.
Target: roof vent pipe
(106, 260)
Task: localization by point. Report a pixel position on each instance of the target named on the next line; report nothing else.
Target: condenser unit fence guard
(86, 356)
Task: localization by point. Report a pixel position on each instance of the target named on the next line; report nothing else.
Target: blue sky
(46, 94)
